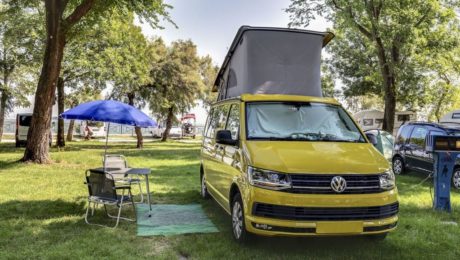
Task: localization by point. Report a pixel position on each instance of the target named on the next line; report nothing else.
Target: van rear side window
(25, 120)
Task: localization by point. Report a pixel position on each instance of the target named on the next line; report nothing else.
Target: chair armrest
(122, 187)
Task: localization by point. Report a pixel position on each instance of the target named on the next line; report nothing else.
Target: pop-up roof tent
(264, 60)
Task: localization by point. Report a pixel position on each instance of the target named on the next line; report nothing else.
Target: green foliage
(20, 50)
(386, 46)
(208, 72)
(176, 79)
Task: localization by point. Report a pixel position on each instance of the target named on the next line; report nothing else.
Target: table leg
(148, 194)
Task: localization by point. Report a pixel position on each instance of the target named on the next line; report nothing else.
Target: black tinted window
(418, 136)
(25, 120)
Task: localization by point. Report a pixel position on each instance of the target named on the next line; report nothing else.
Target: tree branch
(360, 27)
(79, 12)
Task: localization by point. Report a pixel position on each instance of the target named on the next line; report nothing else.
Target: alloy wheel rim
(237, 219)
(456, 179)
(397, 166)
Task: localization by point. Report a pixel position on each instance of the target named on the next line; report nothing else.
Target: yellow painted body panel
(227, 168)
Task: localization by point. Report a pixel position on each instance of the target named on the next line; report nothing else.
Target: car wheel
(204, 189)
(18, 144)
(398, 165)
(456, 178)
(240, 234)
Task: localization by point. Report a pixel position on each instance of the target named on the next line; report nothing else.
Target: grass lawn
(42, 214)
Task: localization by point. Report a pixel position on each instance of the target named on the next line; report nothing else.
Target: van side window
(233, 122)
(217, 120)
(418, 136)
(208, 123)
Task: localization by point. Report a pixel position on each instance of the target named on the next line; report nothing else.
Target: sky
(212, 24)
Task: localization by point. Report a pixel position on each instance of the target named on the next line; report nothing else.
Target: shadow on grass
(40, 209)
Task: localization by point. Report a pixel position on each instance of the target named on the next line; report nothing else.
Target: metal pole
(106, 141)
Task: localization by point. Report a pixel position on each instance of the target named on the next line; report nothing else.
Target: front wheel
(456, 178)
(204, 190)
(398, 165)
(240, 234)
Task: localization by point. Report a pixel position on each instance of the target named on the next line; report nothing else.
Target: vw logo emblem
(338, 184)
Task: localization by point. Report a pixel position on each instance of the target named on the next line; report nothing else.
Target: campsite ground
(42, 209)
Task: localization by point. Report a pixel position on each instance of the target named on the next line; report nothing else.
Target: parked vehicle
(383, 141)
(22, 128)
(95, 129)
(373, 119)
(451, 119)
(188, 122)
(295, 165)
(409, 149)
(280, 158)
(157, 132)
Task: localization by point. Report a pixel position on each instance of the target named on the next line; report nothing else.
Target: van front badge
(338, 184)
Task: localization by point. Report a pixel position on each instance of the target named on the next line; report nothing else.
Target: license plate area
(345, 227)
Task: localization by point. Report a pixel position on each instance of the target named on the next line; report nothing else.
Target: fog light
(262, 226)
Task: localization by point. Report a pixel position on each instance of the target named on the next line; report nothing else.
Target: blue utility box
(445, 149)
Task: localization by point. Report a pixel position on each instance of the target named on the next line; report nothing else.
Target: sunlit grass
(42, 209)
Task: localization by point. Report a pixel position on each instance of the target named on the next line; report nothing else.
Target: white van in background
(373, 119)
(98, 129)
(451, 119)
(22, 128)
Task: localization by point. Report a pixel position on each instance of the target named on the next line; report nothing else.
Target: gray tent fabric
(272, 61)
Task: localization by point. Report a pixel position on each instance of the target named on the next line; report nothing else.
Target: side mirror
(372, 138)
(225, 137)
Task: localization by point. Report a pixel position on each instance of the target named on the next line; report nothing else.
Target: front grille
(318, 214)
(321, 184)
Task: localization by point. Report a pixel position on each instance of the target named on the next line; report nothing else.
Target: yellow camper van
(292, 164)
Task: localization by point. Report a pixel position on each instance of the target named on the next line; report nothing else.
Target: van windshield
(300, 121)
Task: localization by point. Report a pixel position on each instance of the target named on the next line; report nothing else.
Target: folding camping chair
(102, 190)
(119, 162)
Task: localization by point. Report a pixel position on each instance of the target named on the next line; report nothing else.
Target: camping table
(133, 171)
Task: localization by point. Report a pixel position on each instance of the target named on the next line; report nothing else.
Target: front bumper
(307, 226)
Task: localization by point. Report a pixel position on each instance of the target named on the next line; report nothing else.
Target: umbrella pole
(106, 141)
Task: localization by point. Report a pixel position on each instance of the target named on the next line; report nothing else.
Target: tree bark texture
(38, 135)
(3, 100)
(140, 138)
(70, 130)
(60, 141)
(169, 121)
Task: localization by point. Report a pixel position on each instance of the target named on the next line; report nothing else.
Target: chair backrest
(101, 184)
(115, 161)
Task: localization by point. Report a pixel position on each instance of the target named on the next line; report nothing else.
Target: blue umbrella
(109, 111)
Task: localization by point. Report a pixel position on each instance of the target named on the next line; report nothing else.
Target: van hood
(315, 157)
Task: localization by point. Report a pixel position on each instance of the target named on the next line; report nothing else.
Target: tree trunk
(38, 135)
(169, 121)
(70, 131)
(60, 141)
(3, 100)
(389, 86)
(140, 138)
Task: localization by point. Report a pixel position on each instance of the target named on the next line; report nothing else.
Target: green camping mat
(167, 219)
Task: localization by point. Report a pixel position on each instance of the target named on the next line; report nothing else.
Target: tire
(398, 165)
(377, 237)
(18, 144)
(240, 234)
(456, 178)
(204, 190)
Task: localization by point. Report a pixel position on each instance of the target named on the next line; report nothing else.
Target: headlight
(268, 179)
(387, 180)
